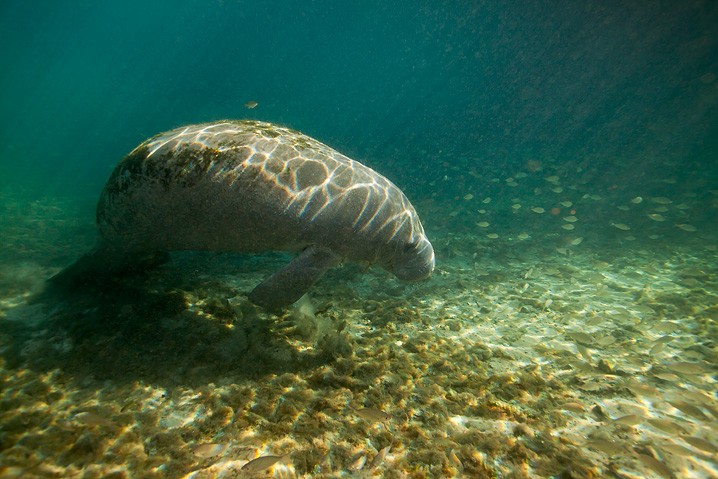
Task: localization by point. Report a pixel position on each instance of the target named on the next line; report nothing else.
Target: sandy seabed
(549, 352)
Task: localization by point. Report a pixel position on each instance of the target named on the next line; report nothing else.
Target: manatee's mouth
(415, 273)
(418, 266)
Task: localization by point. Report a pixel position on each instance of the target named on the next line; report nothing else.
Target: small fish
(372, 415)
(596, 320)
(585, 352)
(538, 209)
(666, 326)
(659, 467)
(263, 462)
(629, 420)
(657, 348)
(621, 226)
(573, 407)
(582, 366)
(468, 196)
(591, 386)
(358, 463)
(580, 337)
(607, 447)
(132, 404)
(251, 105)
(687, 227)
(656, 217)
(689, 409)
(685, 368)
(667, 425)
(92, 419)
(454, 459)
(670, 377)
(379, 458)
(677, 450)
(643, 390)
(209, 449)
(697, 396)
(606, 340)
(693, 355)
(701, 444)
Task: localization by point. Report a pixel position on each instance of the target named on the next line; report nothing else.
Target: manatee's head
(405, 250)
(413, 259)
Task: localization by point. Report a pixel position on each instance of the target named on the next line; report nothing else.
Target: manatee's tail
(103, 265)
(291, 282)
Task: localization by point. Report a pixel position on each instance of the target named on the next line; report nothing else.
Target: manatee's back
(251, 186)
(200, 187)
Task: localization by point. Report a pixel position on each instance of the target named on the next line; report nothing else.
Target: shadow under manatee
(169, 327)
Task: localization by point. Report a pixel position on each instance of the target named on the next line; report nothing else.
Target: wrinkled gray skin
(250, 186)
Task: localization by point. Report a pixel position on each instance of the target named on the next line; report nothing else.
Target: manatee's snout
(414, 261)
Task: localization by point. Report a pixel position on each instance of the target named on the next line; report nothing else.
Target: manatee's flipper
(291, 282)
(104, 264)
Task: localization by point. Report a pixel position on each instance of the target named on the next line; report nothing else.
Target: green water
(562, 156)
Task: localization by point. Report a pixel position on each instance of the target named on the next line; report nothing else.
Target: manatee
(249, 186)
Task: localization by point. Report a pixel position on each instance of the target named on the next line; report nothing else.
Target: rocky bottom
(531, 361)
